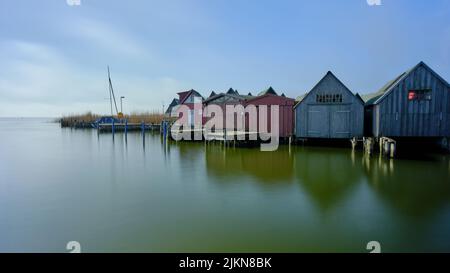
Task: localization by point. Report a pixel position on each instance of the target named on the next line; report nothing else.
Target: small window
(329, 98)
(419, 95)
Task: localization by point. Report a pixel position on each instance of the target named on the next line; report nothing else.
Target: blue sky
(54, 56)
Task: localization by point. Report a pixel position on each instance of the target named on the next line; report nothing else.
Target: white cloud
(37, 80)
(106, 37)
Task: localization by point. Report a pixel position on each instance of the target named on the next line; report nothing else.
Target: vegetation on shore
(89, 117)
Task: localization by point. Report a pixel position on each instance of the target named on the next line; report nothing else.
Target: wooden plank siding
(339, 119)
(286, 113)
(400, 117)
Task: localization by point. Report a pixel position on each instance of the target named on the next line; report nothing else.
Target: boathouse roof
(377, 97)
(328, 75)
(269, 90)
(186, 94)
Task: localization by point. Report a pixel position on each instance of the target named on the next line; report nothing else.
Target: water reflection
(414, 188)
(147, 194)
(265, 167)
(327, 174)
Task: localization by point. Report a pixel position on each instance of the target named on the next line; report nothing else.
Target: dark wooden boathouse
(171, 110)
(269, 98)
(329, 111)
(232, 98)
(415, 104)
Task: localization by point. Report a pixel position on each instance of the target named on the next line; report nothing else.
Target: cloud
(37, 80)
(36, 72)
(105, 37)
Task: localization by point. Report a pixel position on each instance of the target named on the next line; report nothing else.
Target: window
(419, 95)
(329, 98)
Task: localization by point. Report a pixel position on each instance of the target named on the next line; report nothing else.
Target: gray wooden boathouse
(415, 104)
(330, 111)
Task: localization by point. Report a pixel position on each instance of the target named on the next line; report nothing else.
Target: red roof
(183, 96)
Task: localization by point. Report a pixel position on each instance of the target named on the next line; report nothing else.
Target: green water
(141, 195)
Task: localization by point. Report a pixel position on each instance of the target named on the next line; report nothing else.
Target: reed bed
(87, 118)
(146, 117)
(72, 119)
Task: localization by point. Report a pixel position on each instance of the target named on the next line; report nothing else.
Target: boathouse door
(329, 121)
(339, 121)
(318, 121)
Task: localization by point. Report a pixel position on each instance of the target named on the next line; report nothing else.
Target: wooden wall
(396, 116)
(342, 119)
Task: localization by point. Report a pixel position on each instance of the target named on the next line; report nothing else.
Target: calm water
(59, 185)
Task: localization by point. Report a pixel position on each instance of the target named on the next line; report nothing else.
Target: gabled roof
(212, 94)
(250, 94)
(360, 98)
(283, 95)
(269, 94)
(232, 91)
(378, 96)
(186, 94)
(269, 90)
(300, 98)
(174, 103)
(238, 97)
(328, 74)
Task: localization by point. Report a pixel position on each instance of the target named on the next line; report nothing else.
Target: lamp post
(121, 106)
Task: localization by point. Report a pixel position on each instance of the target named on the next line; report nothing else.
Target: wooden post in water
(126, 128)
(392, 149)
(224, 137)
(381, 140)
(386, 147)
(112, 127)
(368, 145)
(165, 129)
(354, 142)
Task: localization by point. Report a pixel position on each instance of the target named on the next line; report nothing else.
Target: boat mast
(109, 89)
(112, 97)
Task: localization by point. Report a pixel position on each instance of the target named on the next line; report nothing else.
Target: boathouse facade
(330, 111)
(269, 97)
(415, 104)
(229, 98)
(190, 99)
(171, 110)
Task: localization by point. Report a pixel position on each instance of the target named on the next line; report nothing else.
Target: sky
(54, 56)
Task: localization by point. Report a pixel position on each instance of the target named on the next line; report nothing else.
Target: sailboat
(112, 98)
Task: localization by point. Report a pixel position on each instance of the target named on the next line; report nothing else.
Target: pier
(126, 127)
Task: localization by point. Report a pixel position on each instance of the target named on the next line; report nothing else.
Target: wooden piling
(113, 128)
(354, 142)
(368, 145)
(126, 128)
(392, 149)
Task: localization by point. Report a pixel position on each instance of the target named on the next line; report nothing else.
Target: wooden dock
(223, 135)
(126, 127)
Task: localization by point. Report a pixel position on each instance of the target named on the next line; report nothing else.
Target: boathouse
(270, 97)
(171, 110)
(190, 99)
(231, 97)
(414, 104)
(330, 111)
